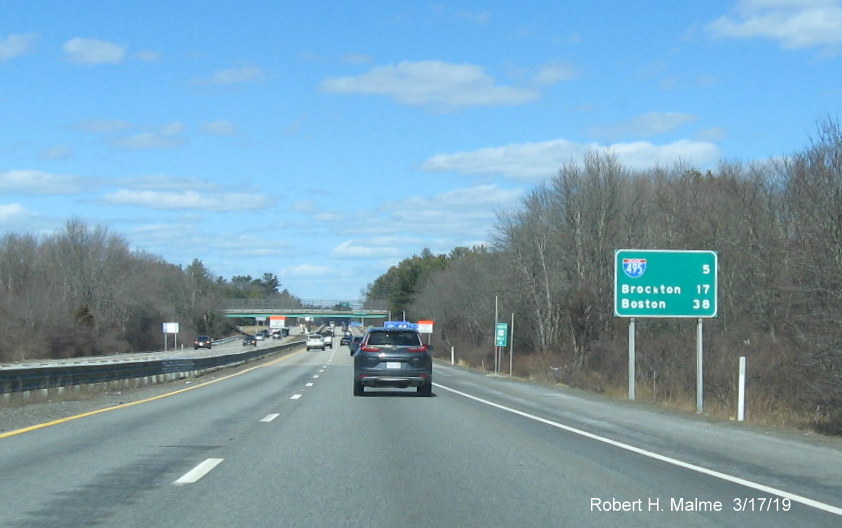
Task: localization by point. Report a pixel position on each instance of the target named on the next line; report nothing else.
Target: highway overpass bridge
(261, 309)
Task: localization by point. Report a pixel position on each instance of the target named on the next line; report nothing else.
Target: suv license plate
(393, 364)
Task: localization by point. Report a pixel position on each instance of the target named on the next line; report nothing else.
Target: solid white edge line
(199, 471)
(675, 462)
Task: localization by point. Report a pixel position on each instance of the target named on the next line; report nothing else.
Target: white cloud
(93, 51)
(484, 197)
(524, 161)
(37, 182)
(148, 140)
(795, 24)
(167, 182)
(329, 216)
(249, 245)
(537, 161)
(307, 270)
(13, 212)
(103, 126)
(644, 155)
(304, 206)
(172, 129)
(651, 124)
(220, 127)
(237, 75)
(554, 73)
(356, 58)
(165, 137)
(480, 18)
(394, 240)
(188, 200)
(434, 84)
(713, 134)
(454, 218)
(352, 249)
(148, 56)
(59, 152)
(16, 46)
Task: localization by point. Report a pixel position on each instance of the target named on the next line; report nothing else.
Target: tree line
(84, 292)
(777, 229)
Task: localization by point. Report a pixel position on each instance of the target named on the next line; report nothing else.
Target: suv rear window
(395, 338)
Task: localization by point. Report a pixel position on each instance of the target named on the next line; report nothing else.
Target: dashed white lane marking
(269, 417)
(310, 384)
(199, 471)
(315, 376)
(295, 396)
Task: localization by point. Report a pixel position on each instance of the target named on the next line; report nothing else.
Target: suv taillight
(421, 349)
(367, 348)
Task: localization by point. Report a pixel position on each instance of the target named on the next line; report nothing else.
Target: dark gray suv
(390, 357)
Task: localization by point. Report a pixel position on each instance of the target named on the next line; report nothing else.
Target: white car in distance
(315, 341)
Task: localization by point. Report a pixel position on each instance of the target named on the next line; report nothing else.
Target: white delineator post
(741, 391)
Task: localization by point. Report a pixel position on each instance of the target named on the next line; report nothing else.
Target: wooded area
(777, 229)
(84, 292)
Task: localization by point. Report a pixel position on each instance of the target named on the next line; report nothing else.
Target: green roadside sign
(501, 335)
(661, 283)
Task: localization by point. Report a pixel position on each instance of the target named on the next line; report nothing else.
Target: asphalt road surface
(285, 443)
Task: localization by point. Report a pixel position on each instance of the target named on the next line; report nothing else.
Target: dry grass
(761, 409)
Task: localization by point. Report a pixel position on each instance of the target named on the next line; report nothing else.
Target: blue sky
(325, 141)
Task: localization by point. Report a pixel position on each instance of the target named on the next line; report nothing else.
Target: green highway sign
(502, 334)
(661, 283)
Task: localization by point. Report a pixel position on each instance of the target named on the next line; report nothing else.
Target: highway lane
(287, 444)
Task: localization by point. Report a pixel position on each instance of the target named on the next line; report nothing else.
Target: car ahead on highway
(389, 357)
(346, 339)
(315, 341)
(249, 340)
(263, 334)
(355, 344)
(202, 341)
(328, 339)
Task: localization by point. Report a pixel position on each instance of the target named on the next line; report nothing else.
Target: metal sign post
(700, 384)
(511, 346)
(496, 320)
(632, 360)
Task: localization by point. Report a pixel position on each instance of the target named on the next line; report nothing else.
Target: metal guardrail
(24, 379)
